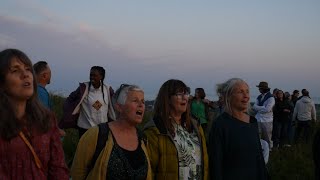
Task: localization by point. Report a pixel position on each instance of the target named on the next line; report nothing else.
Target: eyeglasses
(181, 95)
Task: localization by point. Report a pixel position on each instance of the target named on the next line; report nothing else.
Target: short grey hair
(226, 89)
(121, 94)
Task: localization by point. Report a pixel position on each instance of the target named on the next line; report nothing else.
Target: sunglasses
(117, 93)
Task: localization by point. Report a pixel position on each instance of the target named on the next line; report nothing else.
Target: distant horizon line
(316, 99)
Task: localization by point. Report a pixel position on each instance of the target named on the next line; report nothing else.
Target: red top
(17, 162)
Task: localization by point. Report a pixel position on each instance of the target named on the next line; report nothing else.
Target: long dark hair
(201, 93)
(102, 72)
(36, 115)
(162, 105)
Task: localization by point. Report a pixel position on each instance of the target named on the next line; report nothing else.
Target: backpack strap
(142, 136)
(102, 140)
(101, 143)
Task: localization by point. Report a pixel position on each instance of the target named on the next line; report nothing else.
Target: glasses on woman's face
(181, 95)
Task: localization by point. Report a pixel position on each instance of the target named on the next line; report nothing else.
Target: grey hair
(225, 90)
(123, 94)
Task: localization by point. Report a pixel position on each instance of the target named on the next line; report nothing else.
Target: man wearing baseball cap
(264, 109)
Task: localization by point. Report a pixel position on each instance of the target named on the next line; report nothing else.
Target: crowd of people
(180, 141)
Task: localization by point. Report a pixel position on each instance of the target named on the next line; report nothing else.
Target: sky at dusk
(148, 42)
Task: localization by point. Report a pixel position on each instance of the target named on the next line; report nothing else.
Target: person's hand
(62, 133)
(255, 107)
(314, 122)
(206, 101)
(286, 110)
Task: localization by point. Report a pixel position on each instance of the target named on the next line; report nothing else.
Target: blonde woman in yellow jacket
(176, 143)
(124, 155)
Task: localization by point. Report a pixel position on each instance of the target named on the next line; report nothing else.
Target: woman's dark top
(278, 110)
(126, 165)
(234, 150)
(316, 155)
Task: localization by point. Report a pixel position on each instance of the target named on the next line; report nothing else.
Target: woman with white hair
(234, 146)
(115, 150)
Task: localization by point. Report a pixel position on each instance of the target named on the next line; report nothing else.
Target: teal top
(198, 109)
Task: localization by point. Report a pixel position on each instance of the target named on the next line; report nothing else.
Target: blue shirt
(44, 97)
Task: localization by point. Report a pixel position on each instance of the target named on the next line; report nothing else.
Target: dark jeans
(304, 126)
(280, 132)
(291, 130)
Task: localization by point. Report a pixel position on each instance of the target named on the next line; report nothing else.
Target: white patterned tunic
(189, 153)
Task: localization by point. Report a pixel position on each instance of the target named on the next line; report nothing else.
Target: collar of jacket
(156, 122)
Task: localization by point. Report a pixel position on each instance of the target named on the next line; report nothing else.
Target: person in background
(176, 141)
(304, 112)
(30, 146)
(274, 135)
(282, 110)
(304, 91)
(234, 145)
(295, 97)
(200, 107)
(43, 77)
(274, 92)
(291, 124)
(90, 104)
(124, 155)
(263, 107)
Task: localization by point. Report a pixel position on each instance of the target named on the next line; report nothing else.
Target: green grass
(294, 163)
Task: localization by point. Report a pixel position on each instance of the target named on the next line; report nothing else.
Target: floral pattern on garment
(189, 152)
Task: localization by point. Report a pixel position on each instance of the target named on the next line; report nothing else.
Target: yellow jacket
(163, 153)
(85, 150)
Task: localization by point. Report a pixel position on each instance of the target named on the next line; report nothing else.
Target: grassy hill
(294, 163)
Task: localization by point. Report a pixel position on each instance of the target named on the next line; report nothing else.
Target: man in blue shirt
(43, 75)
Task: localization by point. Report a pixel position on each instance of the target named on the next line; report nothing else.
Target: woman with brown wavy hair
(176, 143)
(30, 146)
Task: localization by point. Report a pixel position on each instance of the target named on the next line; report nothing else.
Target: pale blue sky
(147, 42)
